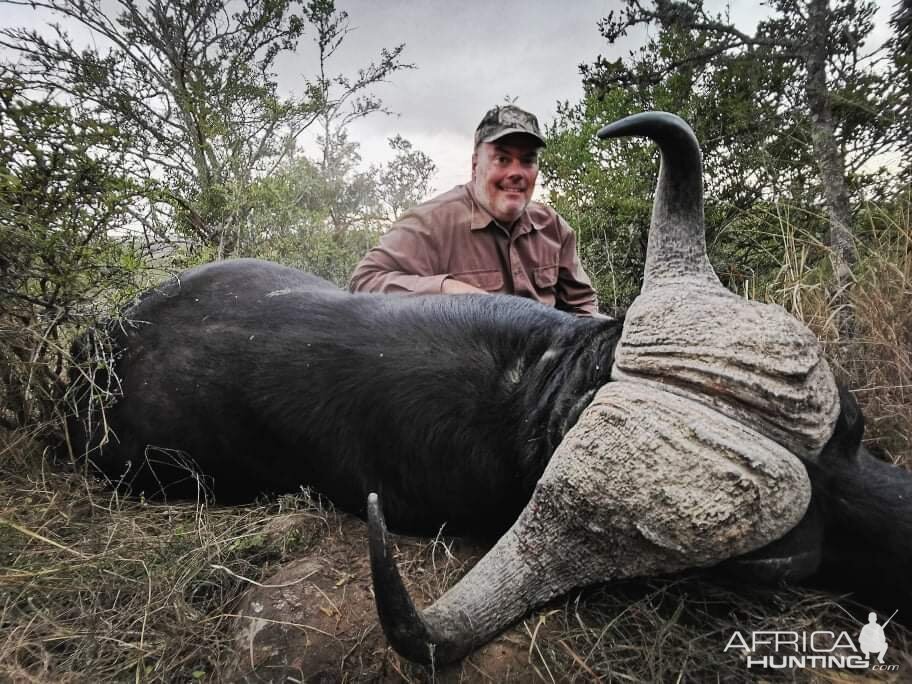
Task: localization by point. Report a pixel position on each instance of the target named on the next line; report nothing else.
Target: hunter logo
(775, 650)
(872, 640)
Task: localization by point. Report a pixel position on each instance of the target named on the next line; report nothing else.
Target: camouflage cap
(504, 120)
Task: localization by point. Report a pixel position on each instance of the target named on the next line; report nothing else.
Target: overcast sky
(468, 55)
(471, 54)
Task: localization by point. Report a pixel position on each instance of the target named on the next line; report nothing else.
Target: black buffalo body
(863, 508)
(856, 536)
(266, 379)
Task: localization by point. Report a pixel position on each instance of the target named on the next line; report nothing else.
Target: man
(486, 235)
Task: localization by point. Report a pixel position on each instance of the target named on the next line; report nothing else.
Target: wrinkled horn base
(754, 362)
(650, 482)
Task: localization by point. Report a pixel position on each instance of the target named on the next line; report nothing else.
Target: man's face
(504, 173)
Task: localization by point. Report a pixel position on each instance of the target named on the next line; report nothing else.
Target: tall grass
(877, 363)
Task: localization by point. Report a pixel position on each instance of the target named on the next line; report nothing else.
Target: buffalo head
(690, 458)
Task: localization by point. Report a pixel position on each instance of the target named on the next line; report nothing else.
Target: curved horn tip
(377, 530)
(402, 624)
(646, 123)
(373, 508)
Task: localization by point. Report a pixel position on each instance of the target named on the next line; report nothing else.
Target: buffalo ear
(849, 431)
(850, 415)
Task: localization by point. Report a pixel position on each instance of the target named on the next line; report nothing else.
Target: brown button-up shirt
(451, 236)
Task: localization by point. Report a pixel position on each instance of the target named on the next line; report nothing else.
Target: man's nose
(515, 170)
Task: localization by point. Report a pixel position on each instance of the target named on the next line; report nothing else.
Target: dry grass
(676, 630)
(881, 369)
(877, 365)
(97, 588)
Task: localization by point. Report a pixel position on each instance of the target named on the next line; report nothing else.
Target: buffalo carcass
(246, 377)
(262, 378)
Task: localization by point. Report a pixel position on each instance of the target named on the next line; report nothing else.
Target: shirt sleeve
(405, 261)
(574, 289)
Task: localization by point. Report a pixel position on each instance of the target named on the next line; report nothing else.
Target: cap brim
(511, 131)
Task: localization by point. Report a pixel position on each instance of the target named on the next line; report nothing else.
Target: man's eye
(503, 161)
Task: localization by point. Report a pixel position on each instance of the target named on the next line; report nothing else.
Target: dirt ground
(315, 619)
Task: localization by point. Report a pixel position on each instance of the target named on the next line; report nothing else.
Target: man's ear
(474, 163)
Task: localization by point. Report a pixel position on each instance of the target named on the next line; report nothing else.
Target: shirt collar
(482, 219)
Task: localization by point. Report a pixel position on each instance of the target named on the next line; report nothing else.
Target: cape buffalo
(496, 416)
(261, 378)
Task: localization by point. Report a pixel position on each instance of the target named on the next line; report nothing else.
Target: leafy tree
(324, 218)
(192, 86)
(349, 194)
(405, 181)
(603, 192)
(603, 187)
(65, 196)
(303, 217)
(902, 24)
(901, 45)
(772, 124)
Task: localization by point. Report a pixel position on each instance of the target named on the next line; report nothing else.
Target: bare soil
(315, 619)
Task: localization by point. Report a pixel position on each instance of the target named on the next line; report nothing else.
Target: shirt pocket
(545, 277)
(491, 280)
